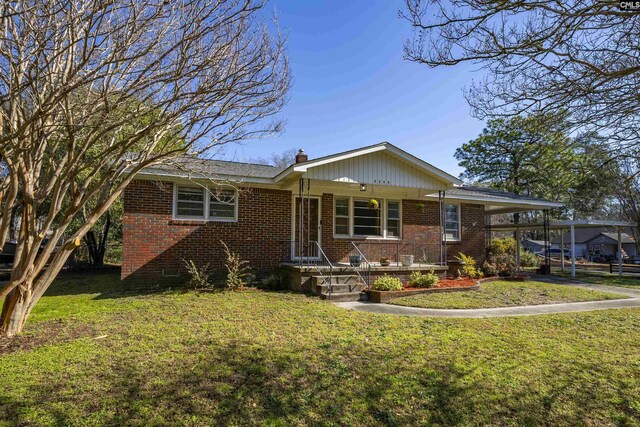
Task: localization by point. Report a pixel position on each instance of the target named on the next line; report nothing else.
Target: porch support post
(573, 251)
(562, 249)
(441, 227)
(619, 252)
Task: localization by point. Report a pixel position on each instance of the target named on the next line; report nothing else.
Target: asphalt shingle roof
(214, 168)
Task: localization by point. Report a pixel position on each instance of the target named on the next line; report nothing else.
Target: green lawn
(609, 279)
(505, 294)
(260, 358)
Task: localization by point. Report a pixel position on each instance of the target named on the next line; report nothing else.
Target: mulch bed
(462, 282)
(445, 285)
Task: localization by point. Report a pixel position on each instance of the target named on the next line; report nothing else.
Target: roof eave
(156, 173)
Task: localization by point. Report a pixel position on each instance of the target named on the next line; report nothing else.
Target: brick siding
(153, 242)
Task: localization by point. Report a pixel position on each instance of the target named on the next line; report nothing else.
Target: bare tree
(92, 92)
(582, 57)
(281, 160)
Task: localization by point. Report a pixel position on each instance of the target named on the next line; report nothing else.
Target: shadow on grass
(242, 383)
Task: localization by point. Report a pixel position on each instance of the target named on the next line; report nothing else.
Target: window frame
(459, 230)
(349, 223)
(206, 195)
(386, 218)
(383, 219)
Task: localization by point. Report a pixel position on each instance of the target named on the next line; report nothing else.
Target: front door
(306, 228)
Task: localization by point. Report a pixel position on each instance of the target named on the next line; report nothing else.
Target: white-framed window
(352, 217)
(341, 216)
(393, 218)
(222, 205)
(189, 203)
(366, 221)
(452, 222)
(207, 204)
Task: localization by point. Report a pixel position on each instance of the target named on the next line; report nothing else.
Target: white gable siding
(376, 168)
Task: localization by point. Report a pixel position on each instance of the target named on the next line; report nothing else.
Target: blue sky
(352, 87)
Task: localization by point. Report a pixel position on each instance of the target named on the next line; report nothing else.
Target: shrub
(489, 269)
(237, 269)
(529, 259)
(387, 283)
(419, 280)
(469, 267)
(277, 280)
(198, 276)
(503, 246)
(505, 264)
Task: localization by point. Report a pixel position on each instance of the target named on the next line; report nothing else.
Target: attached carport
(563, 226)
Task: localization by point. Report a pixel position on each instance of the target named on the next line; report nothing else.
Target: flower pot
(385, 262)
(407, 260)
(354, 260)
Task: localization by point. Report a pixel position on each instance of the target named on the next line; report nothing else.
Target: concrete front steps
(344, 288)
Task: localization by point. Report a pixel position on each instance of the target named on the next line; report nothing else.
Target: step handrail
(326, 258)
(365, 260)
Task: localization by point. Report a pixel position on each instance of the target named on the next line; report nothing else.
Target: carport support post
(562, 250)
(573, 251)
(516, 221)
(619, 252)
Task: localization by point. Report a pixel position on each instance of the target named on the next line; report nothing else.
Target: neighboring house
(605, 245)
(599, 243)
(272, 215)
(533, 245)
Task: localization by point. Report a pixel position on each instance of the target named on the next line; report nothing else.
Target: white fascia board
(503, 202)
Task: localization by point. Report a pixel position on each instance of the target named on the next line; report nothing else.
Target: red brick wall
(418, 225)
(153, 241)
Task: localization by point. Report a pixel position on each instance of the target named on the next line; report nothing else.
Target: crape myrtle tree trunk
(92, 92)
(582, 57)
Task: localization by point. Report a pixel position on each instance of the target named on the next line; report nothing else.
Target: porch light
(363, 187)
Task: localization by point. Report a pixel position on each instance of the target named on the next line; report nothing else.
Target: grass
(505, 294)
(92, 357)
(605, 279)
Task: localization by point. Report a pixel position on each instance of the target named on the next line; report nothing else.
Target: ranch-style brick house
(314, 213)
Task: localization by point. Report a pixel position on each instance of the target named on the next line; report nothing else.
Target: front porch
(303, 275)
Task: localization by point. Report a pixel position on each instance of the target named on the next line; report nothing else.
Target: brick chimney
(301, 157)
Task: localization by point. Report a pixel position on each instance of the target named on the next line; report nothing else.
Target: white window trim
(386, 219)
(206, 200)
(383, 218)
(349, 219)
(444, 236)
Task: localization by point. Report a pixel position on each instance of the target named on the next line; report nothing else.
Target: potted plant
(385, 261)
(373, 204)
(420, 206)
(407, 260)
(354, 260)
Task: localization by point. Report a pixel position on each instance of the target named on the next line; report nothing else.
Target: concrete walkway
(633, 301)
